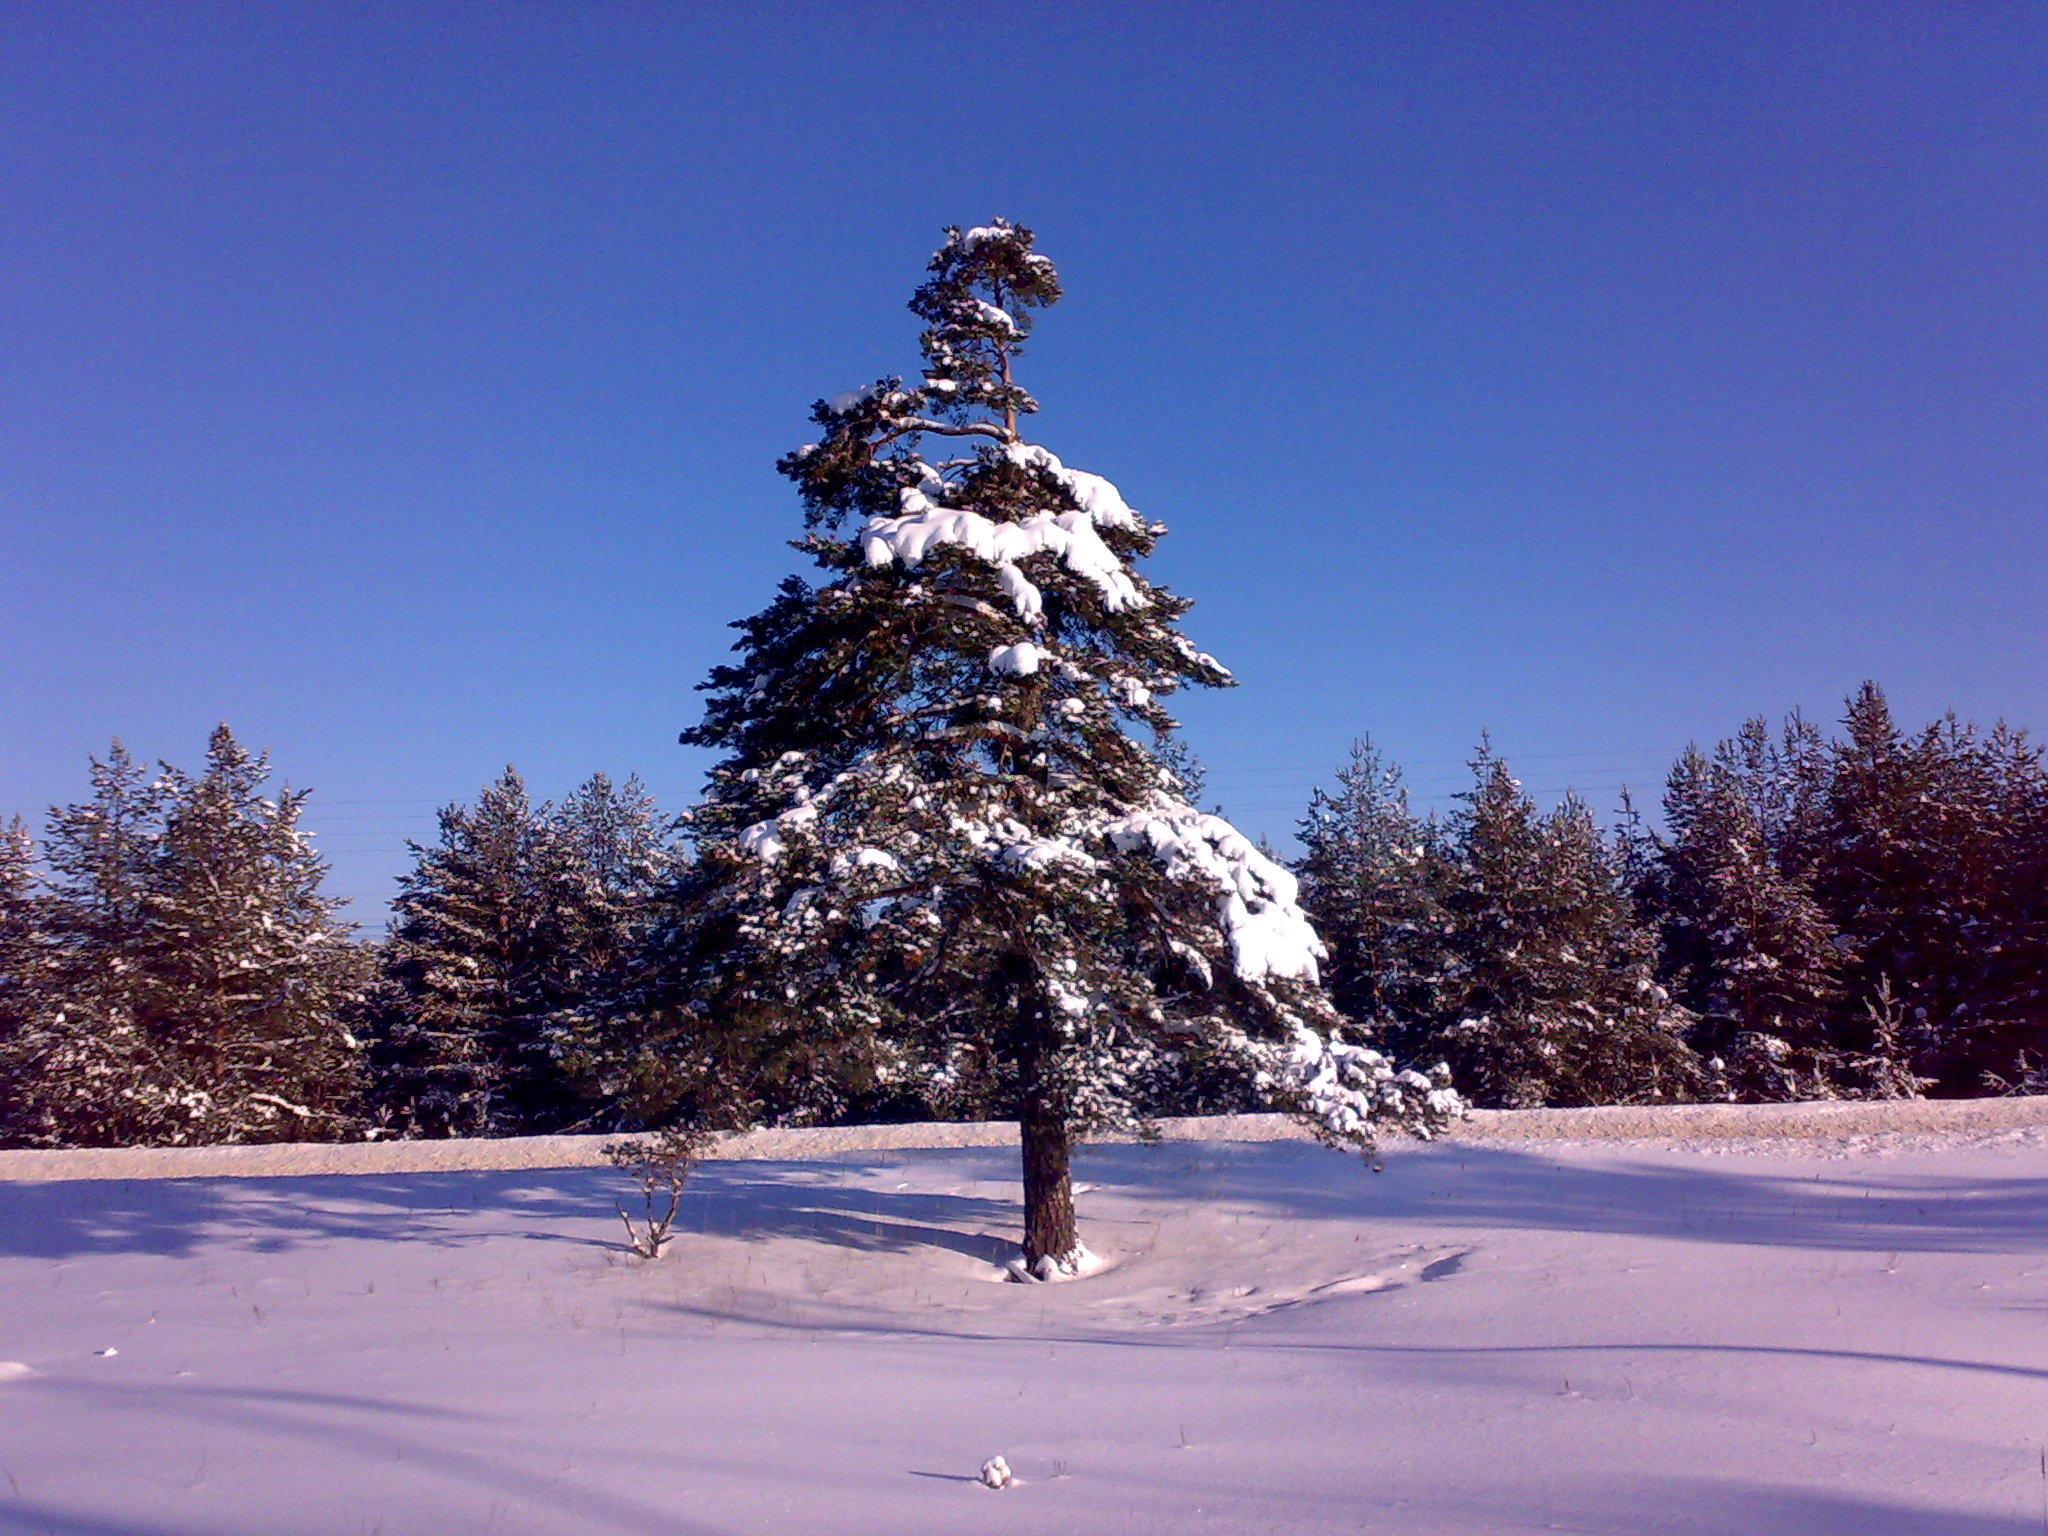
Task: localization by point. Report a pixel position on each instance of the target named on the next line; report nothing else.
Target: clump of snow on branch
(1345, 1089)
(848, 401)
(846, 864)
(1256, 898)
(1019, 660)
(1022, 851)
(1099, 498)
(925, 525)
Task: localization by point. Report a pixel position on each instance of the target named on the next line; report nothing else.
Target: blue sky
(403, 383)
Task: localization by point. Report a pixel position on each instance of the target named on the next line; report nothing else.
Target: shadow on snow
(1840, 1207)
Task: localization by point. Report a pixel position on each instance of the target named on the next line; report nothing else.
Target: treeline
(1815, 915)
(171, 974)
(1856, 916)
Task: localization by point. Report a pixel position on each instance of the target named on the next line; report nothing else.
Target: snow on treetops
(926, 522)
(1269, 935)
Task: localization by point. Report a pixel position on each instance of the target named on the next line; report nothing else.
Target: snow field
(1492, 1336)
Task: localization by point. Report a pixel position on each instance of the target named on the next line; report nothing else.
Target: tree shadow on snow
(1453, 1185)
(174, 1218)
(18, 1517)
(1835, 1206)
(760, 1201)
(1708, 1507)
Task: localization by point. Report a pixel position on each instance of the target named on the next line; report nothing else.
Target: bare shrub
(659, 1165)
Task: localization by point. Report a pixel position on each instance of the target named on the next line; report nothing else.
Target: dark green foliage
(1931, 872)
(503, 930)
(23, 956)
(1746, 946)
(1374, 877)
(189, 976)
(1857, 917)
(1860, 917)
(460, 1026)
(1552, 997)
(1498, 939)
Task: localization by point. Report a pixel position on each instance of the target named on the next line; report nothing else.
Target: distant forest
(1856, 912)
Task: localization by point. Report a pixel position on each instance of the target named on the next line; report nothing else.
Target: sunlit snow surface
(1607, 1339)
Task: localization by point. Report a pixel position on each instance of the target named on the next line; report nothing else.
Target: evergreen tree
(249, 966)
(606, 852)
(83, 1071)
(23, 990)
(603, 850)
(1861, 915)
(1786, 780)
(1745, 944)
(503, 931)
(1372, 879)
(463, 966)
(1905, 872)
(21, 916)
(1552, 996)
(194, 976)
(2004, 1038)
(1925, 871)
(1872, 870)
(933, 854)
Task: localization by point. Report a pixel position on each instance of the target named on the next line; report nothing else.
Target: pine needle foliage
(1374, 877)
(189, 978)
(1552, 996)
(503, 931)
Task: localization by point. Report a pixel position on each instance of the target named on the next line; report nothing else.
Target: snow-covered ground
(1839, 1336)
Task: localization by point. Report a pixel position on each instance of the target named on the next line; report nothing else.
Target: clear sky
(403, 383)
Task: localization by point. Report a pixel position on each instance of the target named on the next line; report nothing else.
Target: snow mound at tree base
(1079, 1265)
(913, 1240)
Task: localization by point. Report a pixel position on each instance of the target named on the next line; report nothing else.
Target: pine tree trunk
(1048, 1185)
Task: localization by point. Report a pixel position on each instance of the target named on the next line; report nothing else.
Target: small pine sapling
(659, 1166)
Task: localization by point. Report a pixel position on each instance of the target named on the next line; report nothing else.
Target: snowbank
(1672, 1122)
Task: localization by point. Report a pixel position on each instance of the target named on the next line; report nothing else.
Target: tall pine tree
(503, 931)
(1552, 997)
(457, 1040)
(1747, 947)
(1918, 871)
(1373, 877)
(22, 958)
(2003, 1040)
(604, 854)
(934, 850)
